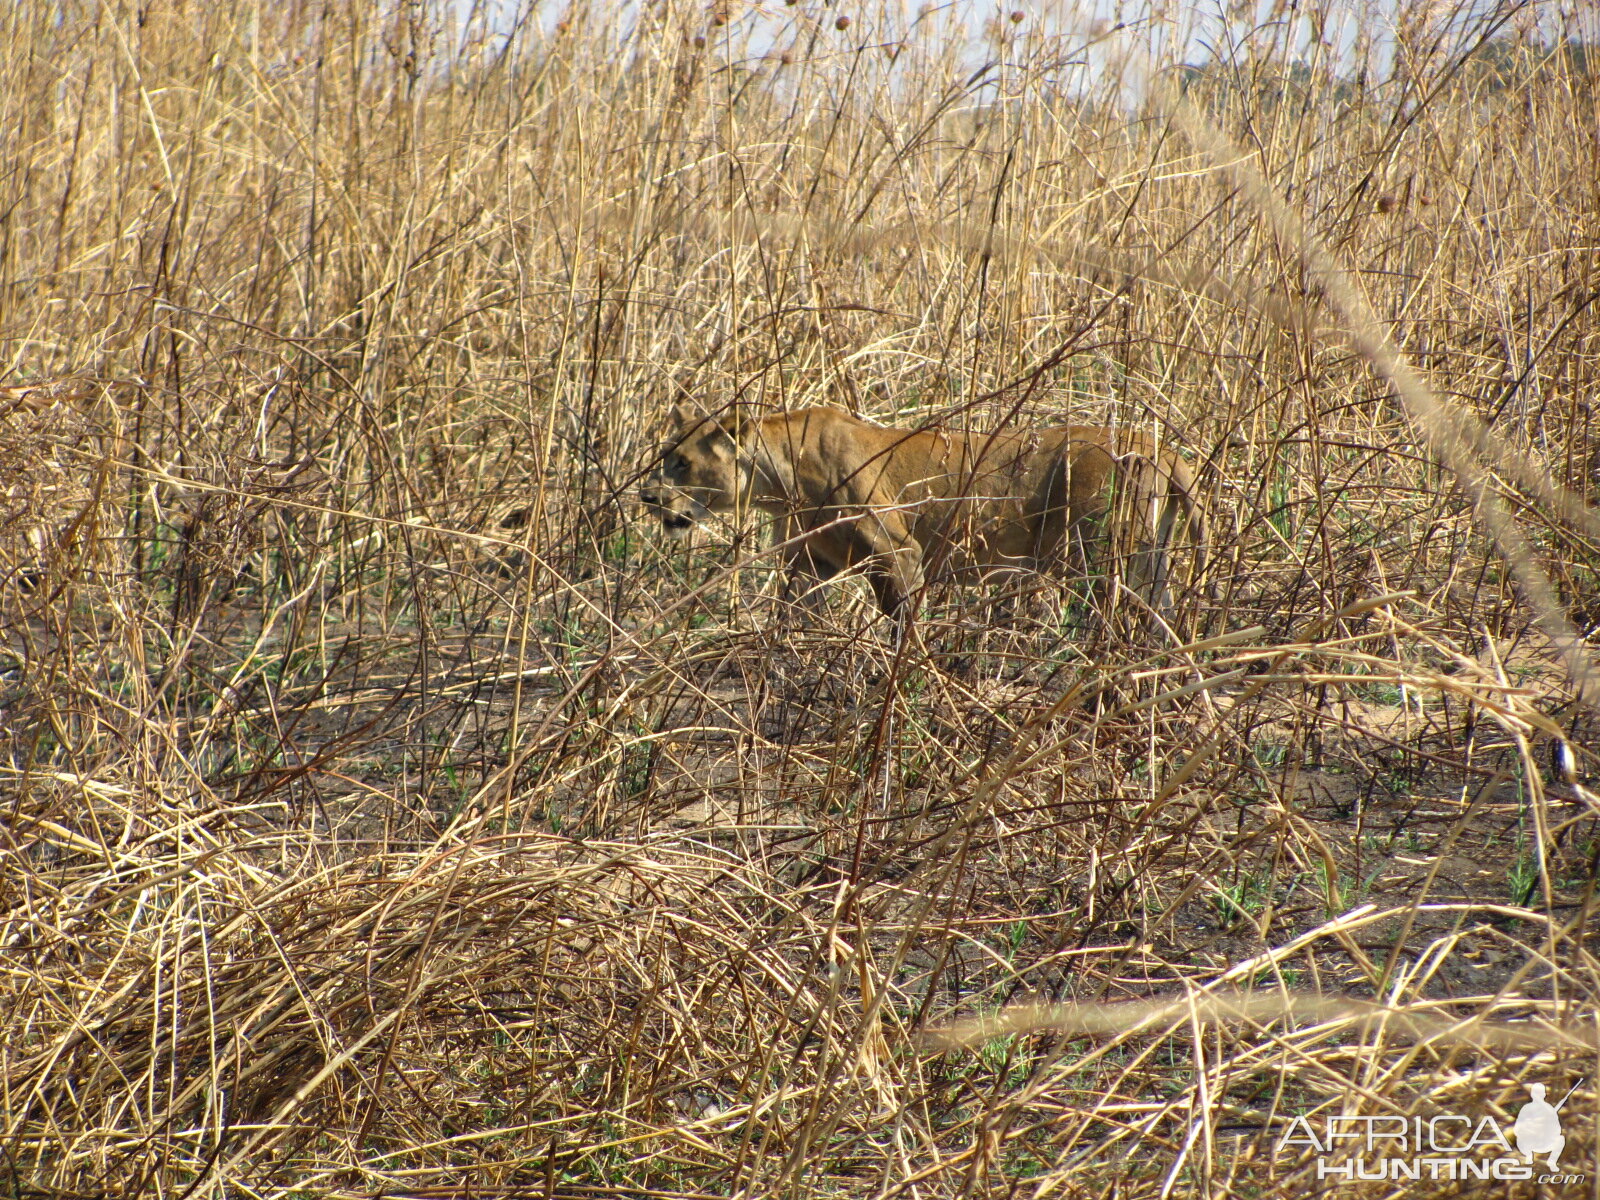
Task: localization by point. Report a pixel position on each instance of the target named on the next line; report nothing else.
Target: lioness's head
(700, 470)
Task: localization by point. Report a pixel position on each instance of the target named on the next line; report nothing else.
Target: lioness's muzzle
(656, 503)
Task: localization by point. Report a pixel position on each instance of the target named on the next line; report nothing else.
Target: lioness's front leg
(807, 572)
(893, 561)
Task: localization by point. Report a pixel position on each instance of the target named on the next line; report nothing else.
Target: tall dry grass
(389, 810)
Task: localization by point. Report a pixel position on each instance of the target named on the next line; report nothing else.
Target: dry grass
(389, 810)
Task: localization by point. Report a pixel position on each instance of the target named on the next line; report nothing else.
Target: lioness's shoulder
(823, 444)
(815, 419)
(817, 428)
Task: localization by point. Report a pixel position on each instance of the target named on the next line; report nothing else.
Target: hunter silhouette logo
(1538, 1126)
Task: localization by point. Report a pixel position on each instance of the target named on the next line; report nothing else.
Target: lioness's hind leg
(1134, 566)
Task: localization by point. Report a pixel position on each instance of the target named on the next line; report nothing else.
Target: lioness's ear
(686, 418)
(733, 422)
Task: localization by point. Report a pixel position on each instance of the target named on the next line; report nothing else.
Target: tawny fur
(911, 506)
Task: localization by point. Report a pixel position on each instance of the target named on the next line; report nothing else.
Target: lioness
(907, 506)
